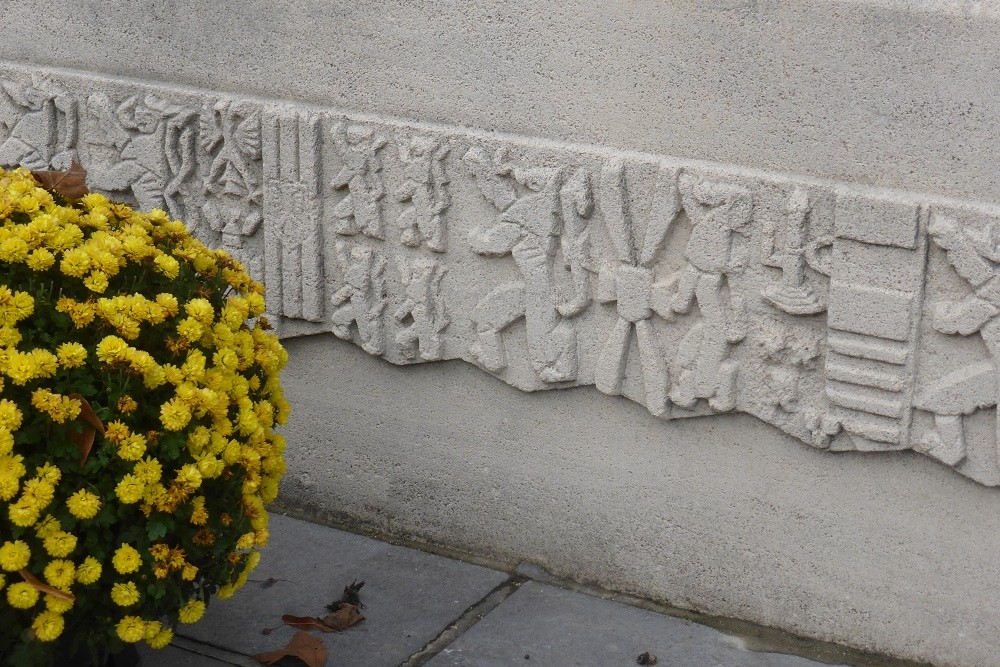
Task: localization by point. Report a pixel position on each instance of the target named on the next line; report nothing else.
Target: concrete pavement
(423, 608)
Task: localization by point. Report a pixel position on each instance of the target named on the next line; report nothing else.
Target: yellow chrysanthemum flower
(126, 559)
(131, 629)
(161, 639)
(191, 612)
(125, 594)
(60, 574)
(89, 571)
(14, 555)
(71, 355)
(59, 605)
(22, 595)
(130, 489)
(83, 504)
(60, 544)
(47, 626)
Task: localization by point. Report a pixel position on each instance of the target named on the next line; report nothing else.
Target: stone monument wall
(711, 242)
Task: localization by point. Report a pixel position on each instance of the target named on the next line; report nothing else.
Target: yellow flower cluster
(139, 394)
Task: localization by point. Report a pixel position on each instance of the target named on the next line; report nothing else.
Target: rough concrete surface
(409, 596)
(888, 553)
(544, 625)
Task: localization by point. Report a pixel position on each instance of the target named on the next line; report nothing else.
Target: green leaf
(157, 590)
(158, 526)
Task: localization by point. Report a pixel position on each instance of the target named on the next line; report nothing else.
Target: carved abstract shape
(362, 299)
(425, 189)
(230, 137)
(793, 294)
(422, 312)
(843, 381)
(529, 228)
(293, 213)
(360, 211)
(155, 141)
(42, 126)
(718, 212)
(975, 385)
(875, 291)
(630, 284)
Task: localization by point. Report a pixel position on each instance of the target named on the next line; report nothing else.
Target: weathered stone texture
(693, 289)
(783, 209)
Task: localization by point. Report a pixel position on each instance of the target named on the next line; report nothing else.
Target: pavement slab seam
(465, 621)
(752, 637)
(214, 652)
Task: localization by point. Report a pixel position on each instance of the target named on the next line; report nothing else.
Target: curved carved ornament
(849, 318)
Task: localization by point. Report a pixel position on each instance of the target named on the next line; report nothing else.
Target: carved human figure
(422, 313)
(975, 257)
(43, 127)
(230, 136)
(361, 210)
(630, 284)
(293, 248)
(718, 212)
(425, 189)
(155, 141)
(530, 228)
(362, 299)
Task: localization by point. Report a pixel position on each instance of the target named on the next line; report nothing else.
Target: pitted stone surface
(409, 596)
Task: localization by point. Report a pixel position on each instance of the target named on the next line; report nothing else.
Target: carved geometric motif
(849, 318)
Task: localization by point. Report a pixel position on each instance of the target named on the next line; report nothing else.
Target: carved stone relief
(360, 147)
(425, 190)
(230, 141)
(550, 211)
(293, 213)
(848, 318)
(360, 304)
(422, 313)
(154, 144)
(38, 124)
(630, 283)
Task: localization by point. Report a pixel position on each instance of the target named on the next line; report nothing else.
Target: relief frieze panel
(849, 318)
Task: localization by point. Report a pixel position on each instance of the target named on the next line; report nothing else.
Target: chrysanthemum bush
(138, 392)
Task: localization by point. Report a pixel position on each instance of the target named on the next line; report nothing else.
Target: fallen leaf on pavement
(646, 658)
(305, 623)
(303, 646)
(345, 616)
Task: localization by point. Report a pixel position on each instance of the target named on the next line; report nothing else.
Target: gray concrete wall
(894, 93)
(885, 551)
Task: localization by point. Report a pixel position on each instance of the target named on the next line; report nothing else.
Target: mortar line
(465, 621)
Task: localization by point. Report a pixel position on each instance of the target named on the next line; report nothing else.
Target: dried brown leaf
(71, 184)
(305, 623)
(345, 616)
(303, 646)
(84, 441)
